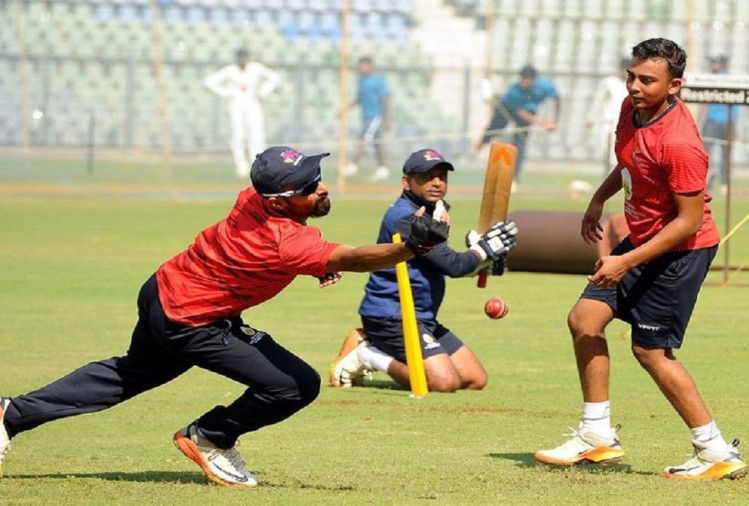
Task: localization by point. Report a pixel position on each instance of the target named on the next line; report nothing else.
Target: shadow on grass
(384, 384)
(175, 477)
(526, 460)
(140, 477)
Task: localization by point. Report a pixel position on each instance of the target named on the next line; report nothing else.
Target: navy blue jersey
(427, 273)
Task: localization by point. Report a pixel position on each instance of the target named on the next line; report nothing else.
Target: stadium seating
(96, 59)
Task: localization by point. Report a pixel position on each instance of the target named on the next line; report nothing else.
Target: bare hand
(609, 271)
(591, 228)
(550, 125)
(386, 125)
(331, 278)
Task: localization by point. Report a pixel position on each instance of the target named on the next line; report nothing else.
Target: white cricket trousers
(247, 133)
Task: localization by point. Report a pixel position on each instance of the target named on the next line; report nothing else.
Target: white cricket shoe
(381, 173)
(584, 447)
(225, 467)
(346, 370)
(4, 438)
(706, 464)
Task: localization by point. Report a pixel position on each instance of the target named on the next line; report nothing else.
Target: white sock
(597, 417)
(710, 437)
(373, 358)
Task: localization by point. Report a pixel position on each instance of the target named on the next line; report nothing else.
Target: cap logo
(291, 156)
(432, 155)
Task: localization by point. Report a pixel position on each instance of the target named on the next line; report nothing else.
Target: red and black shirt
(657, 160)
(240, 262)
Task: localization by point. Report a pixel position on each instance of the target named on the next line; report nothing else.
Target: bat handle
(483, 275)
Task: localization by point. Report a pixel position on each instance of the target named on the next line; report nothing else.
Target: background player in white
(244, 83)
(603, 114)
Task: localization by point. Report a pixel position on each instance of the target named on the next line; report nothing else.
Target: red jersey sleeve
(304, 251)
(686, 166)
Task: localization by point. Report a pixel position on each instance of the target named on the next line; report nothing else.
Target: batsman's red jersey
(241, 261)
(656, 161)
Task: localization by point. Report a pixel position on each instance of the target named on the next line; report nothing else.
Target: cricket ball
(496, 308)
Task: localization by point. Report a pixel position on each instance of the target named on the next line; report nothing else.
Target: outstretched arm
(371, 257)
(423, 235)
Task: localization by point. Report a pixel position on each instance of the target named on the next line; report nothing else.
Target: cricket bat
(497, 184)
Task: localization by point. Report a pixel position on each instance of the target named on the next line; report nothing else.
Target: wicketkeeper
(189, 315)
(378, 346)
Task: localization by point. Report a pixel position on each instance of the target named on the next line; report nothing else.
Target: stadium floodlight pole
(344, 97)
(729, 167)
(23, 74)
(491, 24)
(691, 29)
(158, 63)
(415, 361)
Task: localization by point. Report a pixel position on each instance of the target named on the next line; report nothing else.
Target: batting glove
(425, 234)
(495, 243)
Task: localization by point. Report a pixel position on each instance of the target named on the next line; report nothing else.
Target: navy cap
(282, 171)
(425, 160)
(528, 71)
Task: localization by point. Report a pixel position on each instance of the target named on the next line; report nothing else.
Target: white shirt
(253, 82)
(608, 99)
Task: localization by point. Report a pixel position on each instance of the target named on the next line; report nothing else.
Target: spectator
(716, 131)
(373, 96)
(603, 114)
(520, 104)
(244, 83)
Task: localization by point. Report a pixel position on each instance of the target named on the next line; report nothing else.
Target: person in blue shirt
(716, 131)
(378, 346)
(373, 97)
(520, 105)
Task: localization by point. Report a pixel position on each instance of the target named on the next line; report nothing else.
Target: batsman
(378, 345)
(189, 314)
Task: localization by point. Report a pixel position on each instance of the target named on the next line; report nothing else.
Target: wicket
(416, 374)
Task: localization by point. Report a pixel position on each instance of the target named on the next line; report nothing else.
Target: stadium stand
(80, 59)
(96, 58)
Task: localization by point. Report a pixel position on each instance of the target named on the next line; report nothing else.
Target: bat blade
(495, 199)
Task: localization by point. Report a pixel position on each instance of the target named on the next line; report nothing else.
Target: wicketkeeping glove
(495, 243)
(426, 233)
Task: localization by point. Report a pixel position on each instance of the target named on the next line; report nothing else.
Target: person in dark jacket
(378, 346)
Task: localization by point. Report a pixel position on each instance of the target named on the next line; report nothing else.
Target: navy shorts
(387, 335)
(657, 297)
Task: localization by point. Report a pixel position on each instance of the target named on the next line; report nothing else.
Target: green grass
(70, 273)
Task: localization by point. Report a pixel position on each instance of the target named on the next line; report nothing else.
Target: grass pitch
(70, 272)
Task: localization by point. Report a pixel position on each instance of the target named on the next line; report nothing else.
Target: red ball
(496, 308)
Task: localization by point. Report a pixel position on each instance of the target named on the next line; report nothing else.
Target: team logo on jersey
(291, 156)
(627, 183)
(430, 155)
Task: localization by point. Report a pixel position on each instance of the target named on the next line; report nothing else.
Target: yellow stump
(416, 374)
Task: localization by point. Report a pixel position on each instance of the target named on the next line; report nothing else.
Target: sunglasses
(307, 189)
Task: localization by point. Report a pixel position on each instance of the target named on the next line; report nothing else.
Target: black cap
(282, 171)
(528, 71)
(425, 160)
